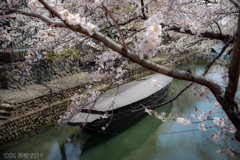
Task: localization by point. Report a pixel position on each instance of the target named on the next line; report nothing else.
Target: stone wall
(13, 77)
(31, 116)
(42, 101)
(18, 128)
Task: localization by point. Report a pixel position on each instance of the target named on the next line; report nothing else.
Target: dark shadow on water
(123, 142)
(96, 139)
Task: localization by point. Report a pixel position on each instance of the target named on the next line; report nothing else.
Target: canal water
(146, 139)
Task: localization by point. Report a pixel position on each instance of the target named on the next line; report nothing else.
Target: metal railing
(18, 53)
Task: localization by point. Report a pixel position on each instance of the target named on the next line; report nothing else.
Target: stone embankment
(14, 76)
(28, 110)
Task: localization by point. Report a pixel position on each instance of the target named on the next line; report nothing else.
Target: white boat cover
(131, 92)
(85, 117)
(127, 94)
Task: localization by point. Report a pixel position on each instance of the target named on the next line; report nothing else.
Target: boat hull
(115, 124)
(122, 120)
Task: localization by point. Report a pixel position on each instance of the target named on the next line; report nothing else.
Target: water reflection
(142, 140)
(124, 142)
(52, 144)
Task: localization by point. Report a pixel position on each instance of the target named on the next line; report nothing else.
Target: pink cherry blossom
(149, 111)
(219, 152)
(202, 127)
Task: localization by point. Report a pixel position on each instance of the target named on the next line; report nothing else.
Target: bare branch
(144, 16)
(108, 19)
(133, 35)
(210, 35)
(235, 3)
(193, 43)
(122, 24)
(146, 5)
(219, 55)
(136, 32)
(116, 24)
(172, 99)
(92, 12)
(218, 26)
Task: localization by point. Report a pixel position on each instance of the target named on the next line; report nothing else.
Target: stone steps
(3, 119)
(5, 113)
(7, 107)
(10, 110)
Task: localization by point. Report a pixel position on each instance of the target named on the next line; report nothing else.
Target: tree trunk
(228, 103)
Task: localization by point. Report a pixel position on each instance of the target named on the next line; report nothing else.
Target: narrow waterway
(148, 138)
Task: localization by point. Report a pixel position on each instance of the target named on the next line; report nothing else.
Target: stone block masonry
(13, 75)
(27, 111)
(20, 127)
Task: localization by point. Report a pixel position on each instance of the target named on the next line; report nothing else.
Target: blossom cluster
(161, 117)
(106, 62)
(34, 5)
(66, 16)
(190, 15)
(152, 37)
(184, 121)
(76, 19)
(156, 84)
(223, 124)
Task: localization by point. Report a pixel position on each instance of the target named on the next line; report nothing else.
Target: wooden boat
(114, 112)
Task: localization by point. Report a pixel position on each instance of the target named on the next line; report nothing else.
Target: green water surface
(147, 139)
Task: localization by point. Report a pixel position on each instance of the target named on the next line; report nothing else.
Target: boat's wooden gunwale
(126, 117)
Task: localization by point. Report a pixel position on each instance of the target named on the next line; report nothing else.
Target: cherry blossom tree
(136, 29)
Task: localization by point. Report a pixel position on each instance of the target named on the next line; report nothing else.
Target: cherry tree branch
(48, 7)
(107, 19)
(136, 32)
(235, 3)
(219, 55)
(144, 16)
(210, 35)
(189, 85)
(183, 75)
(116, 24)
(218, 26)
(229, 105)
(164, 103)
(227, 101)
(123, 23)
(144, 6)
(234, 68)
(43, 18)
